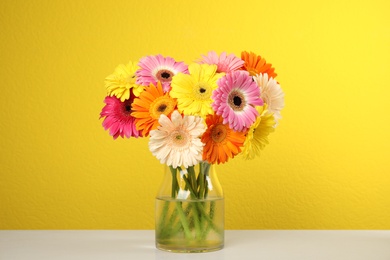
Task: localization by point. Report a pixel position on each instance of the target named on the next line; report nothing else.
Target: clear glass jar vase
(190, 210)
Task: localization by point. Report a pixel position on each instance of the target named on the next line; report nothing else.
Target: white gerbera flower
(271, 93)
(176, 142)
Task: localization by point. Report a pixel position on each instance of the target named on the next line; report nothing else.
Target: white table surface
(239, 244)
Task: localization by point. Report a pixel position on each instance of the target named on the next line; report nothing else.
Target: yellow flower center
(131, 79)
(179, 138)
(162, 105)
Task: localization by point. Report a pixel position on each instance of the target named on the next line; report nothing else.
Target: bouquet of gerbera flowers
(210, 110)
(204, 113)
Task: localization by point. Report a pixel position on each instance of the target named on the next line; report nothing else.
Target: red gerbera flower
(118, 117)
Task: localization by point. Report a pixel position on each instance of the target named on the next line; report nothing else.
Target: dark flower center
(131, 79)
(164, 75)
(236, 100)
(202, 91)
(126, 107)
(162, 108)
(218, 133)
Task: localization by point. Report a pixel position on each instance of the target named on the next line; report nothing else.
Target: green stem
(192, 180)
(206, 189)
(161, 226)
(196, 213)
(206, 171)
(193, 194)
(175, 185)
(171, 222)
(183, 220)
(177, 226)
(211, 219)
(201, 178)
(198, 179)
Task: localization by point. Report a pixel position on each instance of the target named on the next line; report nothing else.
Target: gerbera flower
(257, 136)
(159, 68)
(221, 142)
(255, 64)
(118, 117)
(176, 142)
(235, 98)
(225, 63)
(271, 93)
(148, 107)
(193, 91)
(122, 80)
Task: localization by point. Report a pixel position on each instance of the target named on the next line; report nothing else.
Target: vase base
(188, 249)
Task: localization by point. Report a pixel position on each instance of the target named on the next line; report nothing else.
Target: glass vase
(190, 210)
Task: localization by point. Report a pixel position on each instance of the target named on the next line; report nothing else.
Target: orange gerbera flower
(148, 107)
(255, 64)
(221, 142)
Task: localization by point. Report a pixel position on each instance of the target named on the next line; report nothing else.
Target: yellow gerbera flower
(122, 80)
(193, 91)
(257, 136)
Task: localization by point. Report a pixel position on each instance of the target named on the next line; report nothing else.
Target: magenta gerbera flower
(159, 68)
(117, 117)
(225, 63)
(235, 100)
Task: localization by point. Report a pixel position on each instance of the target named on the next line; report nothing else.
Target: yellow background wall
(327, 165)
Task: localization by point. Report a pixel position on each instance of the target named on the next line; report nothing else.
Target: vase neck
(195, 182)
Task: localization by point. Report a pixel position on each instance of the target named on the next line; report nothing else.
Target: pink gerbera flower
(225, 63)
(117, 117)
(235, 100)
(159, 68)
